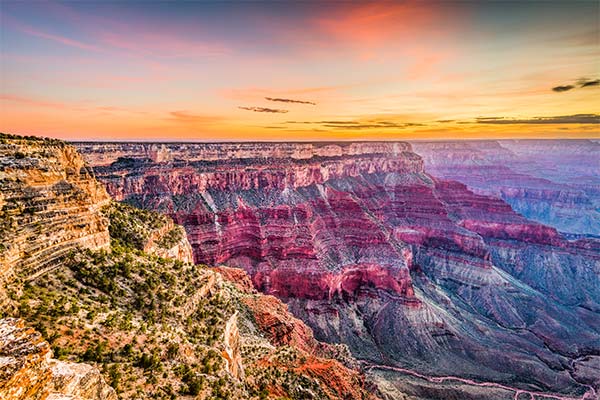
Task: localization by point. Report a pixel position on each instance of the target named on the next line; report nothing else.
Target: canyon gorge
(554, 182)
(467, 270)
(101, 301)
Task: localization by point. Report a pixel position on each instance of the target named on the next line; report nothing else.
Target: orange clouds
(391, 69)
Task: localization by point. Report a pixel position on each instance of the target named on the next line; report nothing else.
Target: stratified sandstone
(27, 371)
(49, 204)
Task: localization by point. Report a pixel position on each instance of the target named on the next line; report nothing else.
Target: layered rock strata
(555, 182)
(406, 269)
(49, 204)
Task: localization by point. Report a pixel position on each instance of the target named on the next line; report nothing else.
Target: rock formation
(232, 348)
(148, 231)
(409, 270)
(49, 204)
(29, 373)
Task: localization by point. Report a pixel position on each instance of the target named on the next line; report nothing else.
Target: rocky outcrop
(148, 231)
(237, 276)
(49, 204)
(78, 381)
(273, 318)
(24, 358)
(170, 241)
(29, 373)
(232, 348)
(408, 270)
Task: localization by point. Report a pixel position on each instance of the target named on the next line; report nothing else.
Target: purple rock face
(410, 269)
(555, 182)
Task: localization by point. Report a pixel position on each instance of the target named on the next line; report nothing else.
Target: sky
(220, 71)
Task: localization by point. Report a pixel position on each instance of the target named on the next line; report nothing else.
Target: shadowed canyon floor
(431, 282)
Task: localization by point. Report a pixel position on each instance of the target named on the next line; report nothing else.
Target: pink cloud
(154, 44)
(128, 40)
(83, 105)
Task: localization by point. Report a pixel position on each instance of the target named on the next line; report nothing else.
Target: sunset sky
(303, 71)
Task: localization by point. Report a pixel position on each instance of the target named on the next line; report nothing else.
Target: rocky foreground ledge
(28, 371)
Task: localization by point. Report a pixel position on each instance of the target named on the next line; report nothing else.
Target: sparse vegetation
(171, 238)
(132, 226)
(6, 137)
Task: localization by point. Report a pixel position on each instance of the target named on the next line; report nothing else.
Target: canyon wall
(106, 153)
(407, 269)
(555, 182)
(49, 204)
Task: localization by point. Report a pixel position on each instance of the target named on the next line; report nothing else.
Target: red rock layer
(281, 328)
(276, 219)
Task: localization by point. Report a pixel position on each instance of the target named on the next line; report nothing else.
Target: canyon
(425, 267)
(554, 182)
(101, 301)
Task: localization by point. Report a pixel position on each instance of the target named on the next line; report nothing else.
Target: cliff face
(104, 154)
(406, 269)
(49, 204)
(29, 372)
(554, 182)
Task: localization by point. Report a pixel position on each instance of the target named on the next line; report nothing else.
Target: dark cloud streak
(565, 88)
(561, 119)
(290, 101)
(587, 83)
(355, 125)
(264, 109)
(583, 83)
